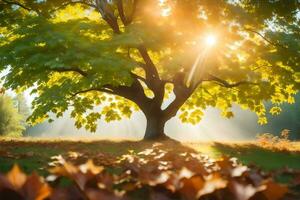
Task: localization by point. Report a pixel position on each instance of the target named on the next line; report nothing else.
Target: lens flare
(165, 8)
(165, 12)
(210, 40)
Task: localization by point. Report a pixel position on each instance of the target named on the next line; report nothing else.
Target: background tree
(131, 54)
(10, 120)
(22, 107)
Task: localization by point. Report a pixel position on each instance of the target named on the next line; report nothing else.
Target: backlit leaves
(62, 48)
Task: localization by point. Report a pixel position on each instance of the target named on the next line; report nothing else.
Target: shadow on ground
(34, 155)
(267, 159)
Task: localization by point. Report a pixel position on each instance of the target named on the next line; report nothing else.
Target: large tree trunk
(155, 127)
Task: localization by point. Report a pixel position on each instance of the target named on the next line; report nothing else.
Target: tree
(22, 107)
(10, 120)
(137, 54)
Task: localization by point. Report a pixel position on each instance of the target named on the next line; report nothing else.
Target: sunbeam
(198, 64)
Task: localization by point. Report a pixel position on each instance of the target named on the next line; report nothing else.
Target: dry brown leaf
(94, 194)
(35, 188)
(275, 191)
(158, 195)
(191, 187)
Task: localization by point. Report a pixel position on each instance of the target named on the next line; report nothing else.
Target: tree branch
(153, 80)
(108, 15)
(130, 17)
(18, 4)
(89, 90)
(123, 91)
(73, 69)
(175, 105)
(134, 92)
(226, 84)
(74, 2)
(182, 93)
(266, 39)
(126, 19)
(121, 12)
(138, 77)
(193, 87)
(126, 92)
(151, 71)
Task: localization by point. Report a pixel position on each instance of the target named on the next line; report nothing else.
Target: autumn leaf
(275, 191)
(156, 174)
(94, 194)
(212, 183)
(191, 187)
(16, 177)
(35, 188)
(242, 191)
(158, 195)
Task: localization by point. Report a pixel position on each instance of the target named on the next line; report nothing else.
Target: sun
(211, 40)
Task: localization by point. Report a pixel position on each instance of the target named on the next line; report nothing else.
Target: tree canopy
(136, 54)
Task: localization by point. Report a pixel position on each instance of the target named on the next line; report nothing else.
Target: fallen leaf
(243, 191)
(191, 187)
(35, 188)
(16, 177)
(212, 183)
(275, 191)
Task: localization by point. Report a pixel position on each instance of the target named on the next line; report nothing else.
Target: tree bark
(155, 127)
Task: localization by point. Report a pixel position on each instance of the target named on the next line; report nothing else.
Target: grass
(34, 154)
(267, 159)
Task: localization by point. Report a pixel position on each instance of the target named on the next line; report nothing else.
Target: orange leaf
(16, 177)
(191, 187)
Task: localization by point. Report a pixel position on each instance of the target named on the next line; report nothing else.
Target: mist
(213, 127)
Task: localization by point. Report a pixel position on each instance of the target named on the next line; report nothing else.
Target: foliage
(288, 118)
(267, 140)
(10, 120)
(126, 48)
(151, 174)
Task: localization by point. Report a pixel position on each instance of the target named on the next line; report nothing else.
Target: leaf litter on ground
(154, 174)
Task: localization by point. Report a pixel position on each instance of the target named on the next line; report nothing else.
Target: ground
(35, 155)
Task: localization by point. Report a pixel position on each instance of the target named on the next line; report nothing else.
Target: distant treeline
(289, 119)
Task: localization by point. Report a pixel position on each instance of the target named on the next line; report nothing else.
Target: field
(35, 154)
